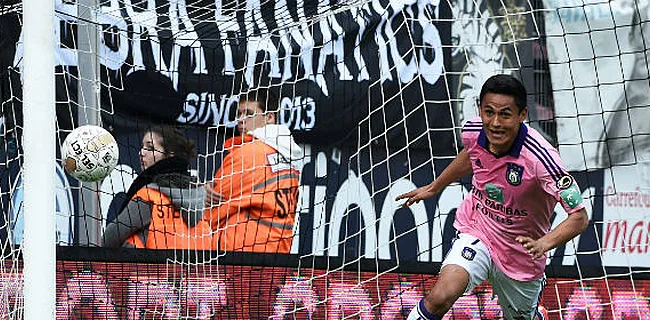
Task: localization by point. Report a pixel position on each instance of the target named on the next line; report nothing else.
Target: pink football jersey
(512, 195)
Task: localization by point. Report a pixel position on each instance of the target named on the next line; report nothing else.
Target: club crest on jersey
(514, 174)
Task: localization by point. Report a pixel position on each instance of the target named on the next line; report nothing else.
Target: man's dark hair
(508, 85)
(266, 99)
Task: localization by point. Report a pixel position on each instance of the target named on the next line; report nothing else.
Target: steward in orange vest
(258, 181)
(164, 211)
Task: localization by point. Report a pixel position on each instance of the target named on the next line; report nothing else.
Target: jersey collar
(515, 149)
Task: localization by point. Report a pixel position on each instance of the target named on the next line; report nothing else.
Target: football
(89, 153)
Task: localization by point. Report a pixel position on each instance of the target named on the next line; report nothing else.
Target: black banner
(342, 73)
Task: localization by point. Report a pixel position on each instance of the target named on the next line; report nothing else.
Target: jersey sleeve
(470, 132)
(557, 182)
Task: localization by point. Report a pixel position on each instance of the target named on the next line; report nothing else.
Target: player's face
(501, 121)
(152, 150)
(251, 116)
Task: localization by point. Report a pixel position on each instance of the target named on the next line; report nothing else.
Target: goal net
(375, 94)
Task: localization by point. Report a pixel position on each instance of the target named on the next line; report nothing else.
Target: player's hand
(535, 248)
(212, 198)
(415, 196)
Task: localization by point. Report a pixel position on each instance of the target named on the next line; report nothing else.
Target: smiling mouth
(497, 134)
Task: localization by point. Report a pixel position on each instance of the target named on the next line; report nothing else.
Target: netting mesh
(374, 93)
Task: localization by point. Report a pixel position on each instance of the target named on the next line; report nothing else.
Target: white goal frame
(39, 251)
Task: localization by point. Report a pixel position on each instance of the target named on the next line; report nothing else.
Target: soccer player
(503, 223)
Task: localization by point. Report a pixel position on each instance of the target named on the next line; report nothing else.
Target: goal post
(89, 101)
(39, 271)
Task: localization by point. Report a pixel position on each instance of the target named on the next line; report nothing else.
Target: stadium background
(344, 119)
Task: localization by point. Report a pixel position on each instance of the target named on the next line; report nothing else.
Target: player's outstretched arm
(572, 226)
(458, 168)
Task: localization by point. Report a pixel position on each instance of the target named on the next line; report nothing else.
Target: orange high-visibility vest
(261, 197)
(167, 229)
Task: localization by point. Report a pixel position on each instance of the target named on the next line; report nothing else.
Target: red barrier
(144, 291)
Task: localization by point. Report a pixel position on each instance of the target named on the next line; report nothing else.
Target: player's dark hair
(508, 85)
(174, 141)
(265, 98)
